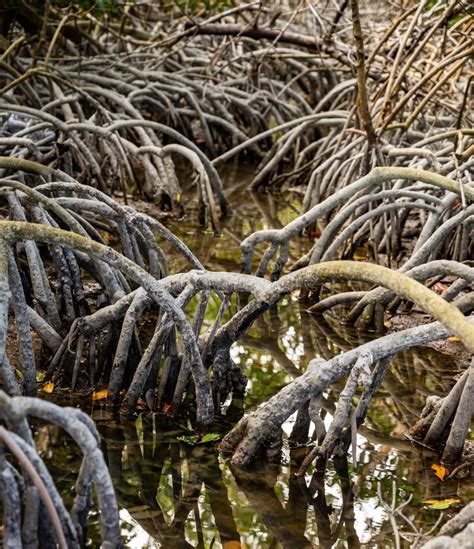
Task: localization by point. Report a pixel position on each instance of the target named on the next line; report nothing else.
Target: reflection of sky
(293, 345)
(235, 351)
(369, 518)
(370, 514)
(209, 529)
(134, 533)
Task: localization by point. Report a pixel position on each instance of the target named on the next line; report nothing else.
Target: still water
(173, 494)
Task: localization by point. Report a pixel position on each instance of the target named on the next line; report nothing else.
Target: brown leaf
(440, 287)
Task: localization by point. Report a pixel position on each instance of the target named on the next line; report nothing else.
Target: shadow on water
(173, 494)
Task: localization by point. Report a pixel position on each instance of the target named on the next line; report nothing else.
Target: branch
(362, 101)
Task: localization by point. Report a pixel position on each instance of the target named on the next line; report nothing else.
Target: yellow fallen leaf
(48, 387)
(440, 471)
(100, 395)
(448, 501)
(454, 338)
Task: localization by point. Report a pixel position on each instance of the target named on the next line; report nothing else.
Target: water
(172, 494)
(175, 495)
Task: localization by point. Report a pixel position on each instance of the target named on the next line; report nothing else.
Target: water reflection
(177, 495)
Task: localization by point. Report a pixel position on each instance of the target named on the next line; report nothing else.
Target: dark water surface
(174, 495)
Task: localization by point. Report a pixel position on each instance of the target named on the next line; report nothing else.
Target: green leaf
(210, 437)
(440, 505)
(189, 439)
(192, 440)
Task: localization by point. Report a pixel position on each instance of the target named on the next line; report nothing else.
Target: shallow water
(173, 494)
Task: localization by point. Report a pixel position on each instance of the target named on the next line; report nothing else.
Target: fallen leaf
(100, 395)
(232, 545)
(210, 437)
(440, 471)
(440, 505)
(440, 287)
(166, 407)
(192, 440)
(189, 439)
(436, 503)
(454, 338)
(105, 236)
(48, 387)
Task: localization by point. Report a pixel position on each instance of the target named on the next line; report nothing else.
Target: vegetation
(116, 119)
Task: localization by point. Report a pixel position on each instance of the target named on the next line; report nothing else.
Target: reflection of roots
(30, 492)
(365, 368)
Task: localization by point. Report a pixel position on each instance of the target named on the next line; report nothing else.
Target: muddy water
(173, 494)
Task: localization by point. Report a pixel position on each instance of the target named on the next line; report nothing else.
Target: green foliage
(455, 18)
(193, 6)
(114, 7)
(100, 7)
(192, 440)
(96, 7)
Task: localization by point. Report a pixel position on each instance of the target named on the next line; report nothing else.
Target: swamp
(236, 274)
